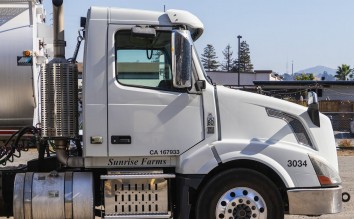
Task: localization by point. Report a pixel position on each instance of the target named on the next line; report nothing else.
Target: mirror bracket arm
(200, 85)
(314, 114)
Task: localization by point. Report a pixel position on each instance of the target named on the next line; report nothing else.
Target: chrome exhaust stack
(59, 93)
(58, 29)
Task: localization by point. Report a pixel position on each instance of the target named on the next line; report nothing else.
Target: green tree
(228, 60)
(209, 58)
(305, 77)
(244, 63)
(344, 72)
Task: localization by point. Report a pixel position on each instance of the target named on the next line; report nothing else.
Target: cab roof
(154, 18)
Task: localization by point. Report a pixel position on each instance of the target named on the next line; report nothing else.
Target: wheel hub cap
(241, 203)
(242, 212)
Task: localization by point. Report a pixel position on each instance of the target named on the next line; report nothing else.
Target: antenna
(164, 8)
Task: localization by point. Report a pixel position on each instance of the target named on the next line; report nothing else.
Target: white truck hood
(243, 116)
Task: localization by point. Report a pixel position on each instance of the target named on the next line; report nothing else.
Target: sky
(306, 33)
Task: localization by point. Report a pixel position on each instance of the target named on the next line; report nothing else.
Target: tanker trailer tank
(22, 28)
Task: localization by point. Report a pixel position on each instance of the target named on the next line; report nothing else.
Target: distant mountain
(319, 72)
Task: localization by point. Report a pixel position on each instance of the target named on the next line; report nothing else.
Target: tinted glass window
(144, 62)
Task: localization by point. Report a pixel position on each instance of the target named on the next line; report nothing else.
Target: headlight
(325, 174)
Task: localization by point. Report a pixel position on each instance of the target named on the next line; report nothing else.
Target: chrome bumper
(315, 201)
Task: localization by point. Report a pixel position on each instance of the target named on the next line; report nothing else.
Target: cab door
(146, 115)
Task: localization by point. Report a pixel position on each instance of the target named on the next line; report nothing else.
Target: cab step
(137, 194)
(138, 216)
(138, 176)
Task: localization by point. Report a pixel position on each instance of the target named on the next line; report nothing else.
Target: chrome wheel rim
(241, 203)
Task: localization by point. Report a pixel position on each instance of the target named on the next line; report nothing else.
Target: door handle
(121, 139)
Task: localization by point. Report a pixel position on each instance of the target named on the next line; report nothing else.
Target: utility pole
(292, 69)
(239, 63)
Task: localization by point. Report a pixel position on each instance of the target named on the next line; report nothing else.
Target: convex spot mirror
(181, 47)
(312, 98)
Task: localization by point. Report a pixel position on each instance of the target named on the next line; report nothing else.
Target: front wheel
(239, 194)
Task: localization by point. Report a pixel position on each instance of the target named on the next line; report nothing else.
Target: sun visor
(179, 17)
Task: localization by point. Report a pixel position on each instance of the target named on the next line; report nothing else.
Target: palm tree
(343, 72)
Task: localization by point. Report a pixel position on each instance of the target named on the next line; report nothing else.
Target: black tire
(248, 185)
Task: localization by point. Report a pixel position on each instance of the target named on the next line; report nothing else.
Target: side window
(144, 62)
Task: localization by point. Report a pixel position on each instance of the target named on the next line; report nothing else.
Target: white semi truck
(159, 139)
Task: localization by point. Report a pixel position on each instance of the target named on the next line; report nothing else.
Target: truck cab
(146, 119)
(160, 140)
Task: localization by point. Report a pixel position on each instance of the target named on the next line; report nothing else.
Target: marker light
(325, 174)
(27, 53)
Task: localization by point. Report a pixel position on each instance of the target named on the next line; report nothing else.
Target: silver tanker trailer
(24, 46)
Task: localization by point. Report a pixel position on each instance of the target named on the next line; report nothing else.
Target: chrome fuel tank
(53, 195)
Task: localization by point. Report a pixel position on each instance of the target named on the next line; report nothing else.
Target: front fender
(284, 158)
(203, 159)
(198, 160)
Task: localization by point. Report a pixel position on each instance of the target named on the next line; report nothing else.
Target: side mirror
(181, 50)
(313, 108)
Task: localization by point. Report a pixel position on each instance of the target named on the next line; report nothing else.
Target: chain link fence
(340, 120)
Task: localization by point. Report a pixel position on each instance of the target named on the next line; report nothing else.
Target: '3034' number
(297, 163)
